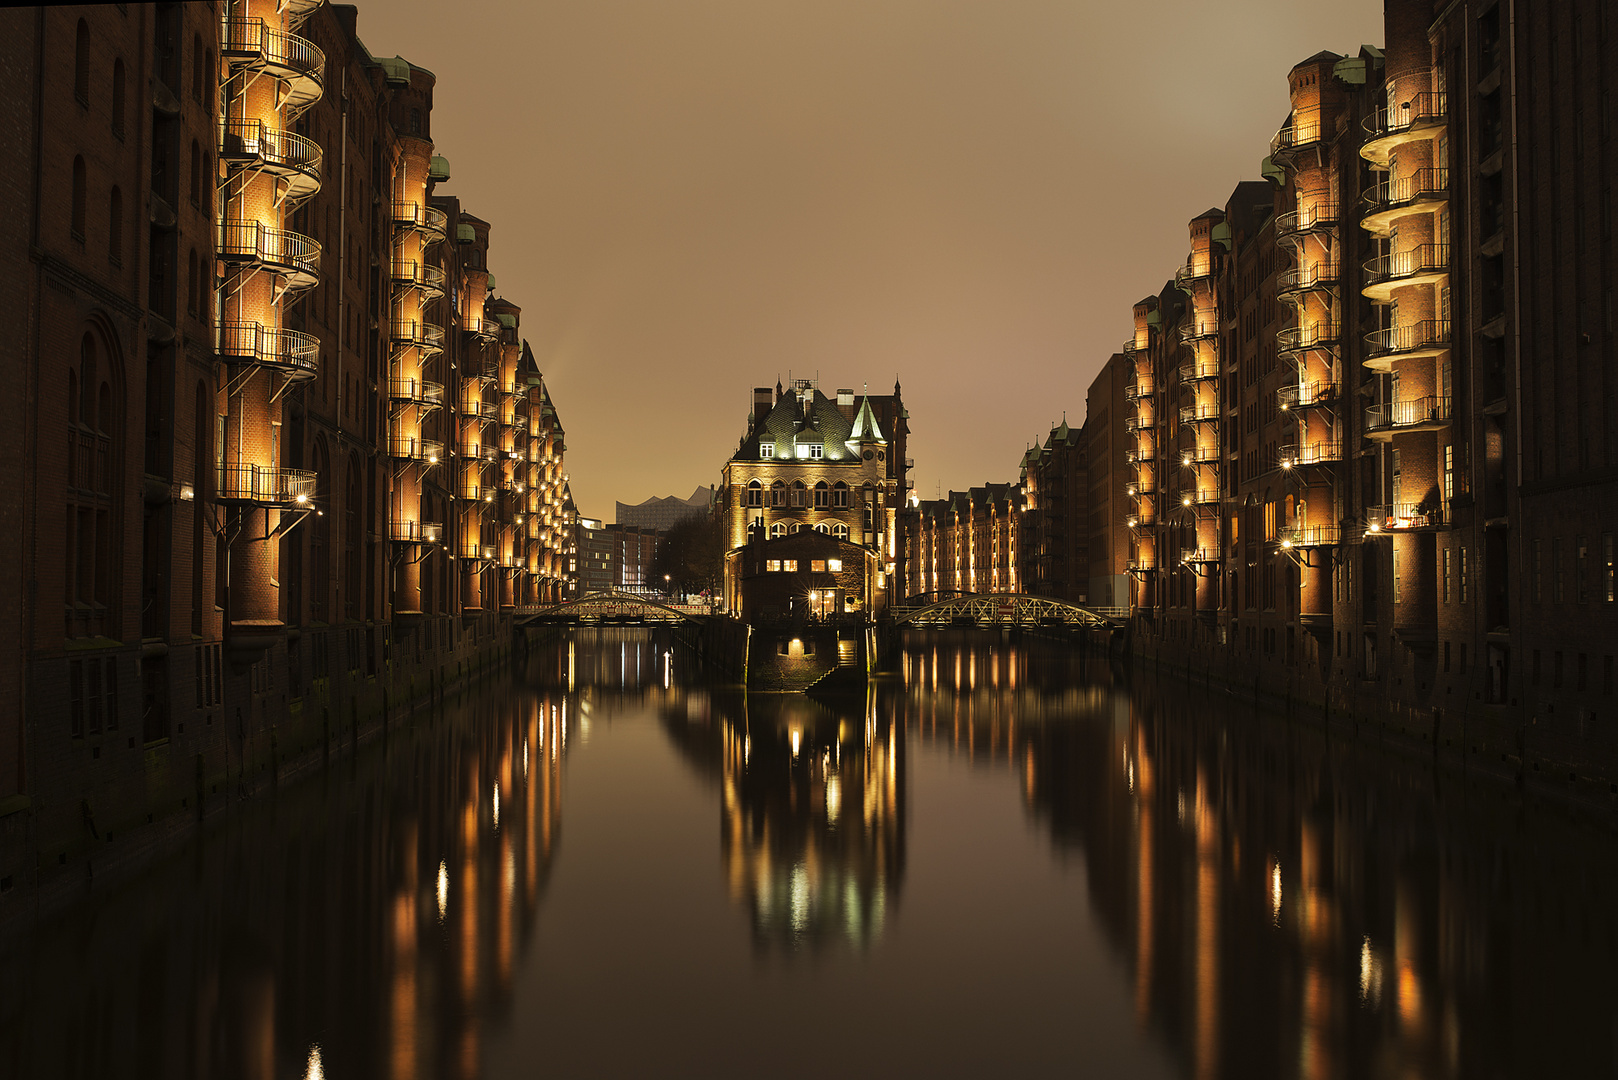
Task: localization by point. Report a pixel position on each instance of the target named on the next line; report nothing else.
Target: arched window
(840, 531)
(755, 494)
(798, 493)
(822, 496)
(118, 97)
(81, 63)
(779, 529)
(821, 528)
(839, 495)
(778, 493)
(115, 228)
(196, 173)
(415, 121)
(77, 224)
(797, 527)
(196, 68)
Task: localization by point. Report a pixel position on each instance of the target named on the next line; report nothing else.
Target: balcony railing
(1145, 519)
(1402, 516)
(1131, 348)
(412, 448)
(1311, 536)
(295, 60)
(1144, 485)
(471, 488)
(1136, 423)
(1142, 387)
(480, 409)
(1198, 413)
(1199, 455)
(1321, 215)
(412, 333)
(1423, 412)
(1142, 564)
(419, 391)
(432, 222)
(1305, 395)
(1187, 276)
(1319, 275)
(1200, 368)
(1426, 335)
(252, 144)
(1199, 555)
(278, 250)
(1423, 110)
(1419, 260)
(1138, 454)
(1428, 183)
(408, 273)
(1299, 338)
(259, 484)
(1198, 329)
(1296, 136)
(1293, 456)
(295, 355)
(416, 532)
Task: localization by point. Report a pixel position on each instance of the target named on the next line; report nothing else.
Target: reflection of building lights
(497, 804)
(313, 1070)
(525, 759)
(1275, 891)
(834, 798)
(443, 889)
(797, 737)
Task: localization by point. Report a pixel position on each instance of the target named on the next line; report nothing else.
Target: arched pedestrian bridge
(1009, 609)
(610, 608)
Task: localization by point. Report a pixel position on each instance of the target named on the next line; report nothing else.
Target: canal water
(1009, 860)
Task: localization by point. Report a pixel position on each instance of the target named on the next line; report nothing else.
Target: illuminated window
(834, 565)
(766, 449)
(790, 566)
(839, 495)
(822, 496)
(773, 566)
(841, 532)
(817, 566)
(755, 494)
(778, 529)
(816, 450)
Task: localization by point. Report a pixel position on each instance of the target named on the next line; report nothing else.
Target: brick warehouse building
(1373, 427)
(309, 467)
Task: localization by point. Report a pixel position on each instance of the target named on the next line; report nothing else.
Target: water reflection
(1278, 899)
(812, 827)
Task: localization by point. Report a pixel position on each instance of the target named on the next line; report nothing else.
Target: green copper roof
(438, 168)
(866, 428)
(465, 234)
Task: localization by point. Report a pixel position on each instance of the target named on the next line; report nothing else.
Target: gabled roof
(866, 428)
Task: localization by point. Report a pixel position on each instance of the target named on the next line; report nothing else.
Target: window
(817, 566)
(766, 450)
(790, 566)
(81, 64)
(1446, 584)
(816, 450)
(415, 121)
(778, 493)
(1581, 566)
(799, 493)
(755, 494)
(1463, 575)
(92, 424)
(77, 224)
(118, 92)
(115, 227)
(839, 495)
(772, 566)
(834, 565)
(841, 532)
(779, 529)
(1449, 472)
(822, 496)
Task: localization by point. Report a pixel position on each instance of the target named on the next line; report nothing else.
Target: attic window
(816, 450)
(766, 450)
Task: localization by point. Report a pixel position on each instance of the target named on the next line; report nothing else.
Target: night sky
(691, 198)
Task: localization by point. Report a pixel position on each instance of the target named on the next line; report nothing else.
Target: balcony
(296, 61)
(1144, 485)
(1429, 337)
(1388, 129)
(481, 326)
(249, 483)
(430, 221)
(485, 367)
(412, 448)
(1402, 517)
(1144, 519)
(1293, 456)
(1139, 454)
(1133, 350)
(1424, 264)
(1199, 329)
(1143, 387)
(1290, 284)
(1319, 335)
(1311, 536)
(416, 532)
(251, 245)
(1201, 412)
(1310, 395)
(1295, 137)
(1197, 556)
(472, 488)
(1200, 368)
(1429, 413)
(1189, 276)
(415, 334)
(417, 392)
(1139, 423)
(478, 409)
(1296, 224)
(477, 552)
(410, 274)
(1142, 564)
(1199, 455)
(249, 144)
(1387, 202)
(291, 353)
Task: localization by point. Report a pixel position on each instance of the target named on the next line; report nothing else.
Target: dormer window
(766, 450)
(816, 450)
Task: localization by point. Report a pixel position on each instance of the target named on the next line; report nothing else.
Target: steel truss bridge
(1007, 610)
(609, 608)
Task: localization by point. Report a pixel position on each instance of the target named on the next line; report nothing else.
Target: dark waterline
(1006, 861)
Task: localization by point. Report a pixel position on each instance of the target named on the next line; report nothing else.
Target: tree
(691, 554)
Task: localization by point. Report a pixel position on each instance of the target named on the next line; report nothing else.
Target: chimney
(763, 399)
(845, 404)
